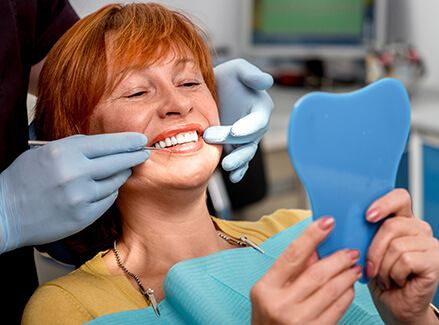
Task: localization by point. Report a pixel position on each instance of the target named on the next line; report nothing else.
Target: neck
(160, 233)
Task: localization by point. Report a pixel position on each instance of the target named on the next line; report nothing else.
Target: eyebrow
(184, 61)
(179, 63)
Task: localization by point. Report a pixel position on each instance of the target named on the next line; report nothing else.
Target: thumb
(252, 77)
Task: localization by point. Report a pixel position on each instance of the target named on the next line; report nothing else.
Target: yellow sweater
(91, 291)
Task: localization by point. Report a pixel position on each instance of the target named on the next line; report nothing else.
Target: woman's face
(168, 102)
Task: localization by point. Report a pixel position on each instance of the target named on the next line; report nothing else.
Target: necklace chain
(142, 289)
(125, 269)
(149, 293)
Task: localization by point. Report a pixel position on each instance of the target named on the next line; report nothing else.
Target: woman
(144, 68)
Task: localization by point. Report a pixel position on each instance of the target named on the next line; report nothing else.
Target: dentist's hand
(54, 191)
(245, 110)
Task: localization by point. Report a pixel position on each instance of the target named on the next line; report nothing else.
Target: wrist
(4, 233)
(431, 316)
(435, 311)
(9, 230)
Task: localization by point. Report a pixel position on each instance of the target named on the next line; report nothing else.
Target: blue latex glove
(245, 110)
(53, 191)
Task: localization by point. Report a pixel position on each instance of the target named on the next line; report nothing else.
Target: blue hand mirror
(346, 150)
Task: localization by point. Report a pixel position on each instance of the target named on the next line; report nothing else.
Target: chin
(191, 177)
(185, 172)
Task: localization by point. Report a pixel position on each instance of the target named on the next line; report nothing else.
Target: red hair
(77, 75)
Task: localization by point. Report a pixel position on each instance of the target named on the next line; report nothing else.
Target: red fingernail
(373, 215)
(326, 222)
(353, 254)
(370, 269)
(357, 269)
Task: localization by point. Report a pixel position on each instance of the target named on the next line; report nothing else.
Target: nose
(175, 103)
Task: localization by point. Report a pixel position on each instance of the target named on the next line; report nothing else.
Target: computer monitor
(316, 29)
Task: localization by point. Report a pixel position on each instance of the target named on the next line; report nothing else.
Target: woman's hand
(301, 289)
(403, 262)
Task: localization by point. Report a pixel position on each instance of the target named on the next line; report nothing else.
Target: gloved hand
(245, 110)
(53, 191)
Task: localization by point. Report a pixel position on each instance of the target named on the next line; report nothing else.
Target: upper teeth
(178, 139)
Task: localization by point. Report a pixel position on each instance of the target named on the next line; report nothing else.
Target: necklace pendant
(149, 294)
(252, 244)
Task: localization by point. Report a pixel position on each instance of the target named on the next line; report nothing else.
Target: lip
(179, 129)
(186, 148)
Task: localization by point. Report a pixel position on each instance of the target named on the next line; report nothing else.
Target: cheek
(116, 119)
(211, 111)
(96, 125)
(215, 118)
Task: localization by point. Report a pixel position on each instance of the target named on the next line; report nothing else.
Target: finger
(314, 258)
(291, 262)
(98, 208)
(419, 264)
(391, 229)
(335, 312)
(239, 157)
(252, 77)
(332, 291)
(249, 128)
(319, 274)
(94, 198)
(413, 256)
(397, 248)
(79, 193)
(111, 184)
(223, 135)
(93, 146)
(104, 167)
(397, 201)
(254, 124)
(218, 135)
(238, 174)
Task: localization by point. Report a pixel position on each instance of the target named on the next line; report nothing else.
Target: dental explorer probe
(39, 143)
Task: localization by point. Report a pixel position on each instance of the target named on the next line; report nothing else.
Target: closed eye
(138, 94)
(191, 84)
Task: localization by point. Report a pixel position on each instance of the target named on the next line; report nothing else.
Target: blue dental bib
(215, 289)
(346, 150)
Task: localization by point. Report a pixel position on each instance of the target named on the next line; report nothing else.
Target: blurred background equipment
(395, 60)
(313, 28)
(313, 36)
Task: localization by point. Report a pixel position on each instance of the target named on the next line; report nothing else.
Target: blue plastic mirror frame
(346, 150)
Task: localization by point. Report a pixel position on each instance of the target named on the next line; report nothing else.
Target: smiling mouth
(178, 140)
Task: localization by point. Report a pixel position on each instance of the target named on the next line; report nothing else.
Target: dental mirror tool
(39, 143)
